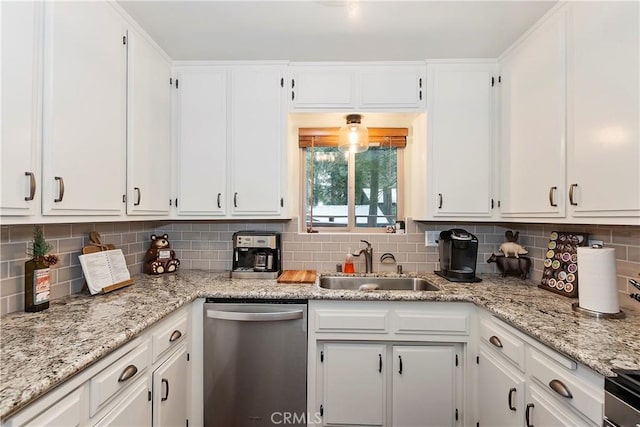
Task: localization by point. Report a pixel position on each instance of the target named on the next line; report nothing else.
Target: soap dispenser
(348, 263)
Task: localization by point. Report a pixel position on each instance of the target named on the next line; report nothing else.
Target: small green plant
(40, 247)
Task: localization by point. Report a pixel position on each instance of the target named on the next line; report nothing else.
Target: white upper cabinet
(371, 87)
(460, 140)
(202, 141)
(149, 129)
(231, 146)
(84, 129)
(322, 87)
(256, 140)
(603, 94)
(392, 87)
(19, 155)
(533, 123)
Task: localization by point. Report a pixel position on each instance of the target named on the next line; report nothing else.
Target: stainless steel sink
(377, 283)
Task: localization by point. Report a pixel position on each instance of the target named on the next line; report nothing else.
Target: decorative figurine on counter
(511, 246)
(160, 258)
(516, 264)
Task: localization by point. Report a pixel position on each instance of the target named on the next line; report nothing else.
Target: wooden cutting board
(297, 276)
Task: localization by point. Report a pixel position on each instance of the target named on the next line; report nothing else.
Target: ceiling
(341, 30)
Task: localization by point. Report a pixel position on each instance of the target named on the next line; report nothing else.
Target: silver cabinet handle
(32, 186)
(510, 397)
(439, 200)
(571, 190)
(219, 196)
(235, 200)
(527, 414)
(559, 387)
(165, 382)
(495, 341)
(254, 317)
(127, 373)
(60, 189)
(551, 191)
(175, 336)
(137, 190)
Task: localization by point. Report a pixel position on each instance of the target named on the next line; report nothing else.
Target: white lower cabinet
(361, 385)
(522, 382)
(388, 363)
(424, 385)
(170, 392)
(134, 408)
(66, 412)
(500, 391)
(541, 410)
(146, 382)
(354, 381)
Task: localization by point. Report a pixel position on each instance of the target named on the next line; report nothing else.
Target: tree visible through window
(351, 190)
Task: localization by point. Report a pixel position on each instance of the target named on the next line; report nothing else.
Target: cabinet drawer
(118, 376)
(169, 334)
(566, 386)
(503, 342)
(416, 322)
(369, 321)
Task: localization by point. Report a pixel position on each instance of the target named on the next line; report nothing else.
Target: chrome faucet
(368, 256)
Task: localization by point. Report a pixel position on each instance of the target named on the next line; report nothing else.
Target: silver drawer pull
(32, 186)
(175, 336)
(559, 387)
(60, 189)
(127, 373)
(495, 341)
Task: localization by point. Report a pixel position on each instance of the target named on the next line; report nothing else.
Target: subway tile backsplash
(207, 245)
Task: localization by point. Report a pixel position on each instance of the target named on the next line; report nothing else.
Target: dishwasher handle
(255, 317)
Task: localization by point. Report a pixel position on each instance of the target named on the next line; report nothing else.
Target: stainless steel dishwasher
(255, 362)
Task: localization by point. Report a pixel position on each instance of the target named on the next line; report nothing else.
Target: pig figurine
(506, 265)
(508, 248)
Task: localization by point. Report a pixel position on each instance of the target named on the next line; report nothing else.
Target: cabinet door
(202, 141)
(318, 87)
(604, 111)
(533, 124)
(257, 140)
(424, 386)
(21, 23)
(500, 391)
(84, 152)
(133, 408)
(460, 140)
(392, 87)
(542, 410)
(170, 396)
(148, 130)
(65, 412)
(354, 384)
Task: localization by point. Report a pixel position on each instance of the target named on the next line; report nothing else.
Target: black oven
(622, 399)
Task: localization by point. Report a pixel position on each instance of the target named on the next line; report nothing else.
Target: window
(351, 192)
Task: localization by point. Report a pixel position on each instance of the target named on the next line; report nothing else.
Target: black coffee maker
(458, 255)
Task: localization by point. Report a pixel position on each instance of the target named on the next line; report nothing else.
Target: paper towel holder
(576, 307)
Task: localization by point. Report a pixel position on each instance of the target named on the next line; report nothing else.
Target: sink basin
(377, 283)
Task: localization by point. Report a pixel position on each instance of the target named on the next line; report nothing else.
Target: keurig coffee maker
(458, 255)
(256, 255)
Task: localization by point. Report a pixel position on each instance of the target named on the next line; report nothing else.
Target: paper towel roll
(597, 288)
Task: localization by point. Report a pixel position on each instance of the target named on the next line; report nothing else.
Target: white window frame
(351, 181)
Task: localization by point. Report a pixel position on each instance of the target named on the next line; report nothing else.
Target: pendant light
(353, 136)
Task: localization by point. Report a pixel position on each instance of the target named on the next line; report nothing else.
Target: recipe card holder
(96, 245)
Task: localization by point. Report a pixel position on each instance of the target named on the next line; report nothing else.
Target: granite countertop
(39, 351)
